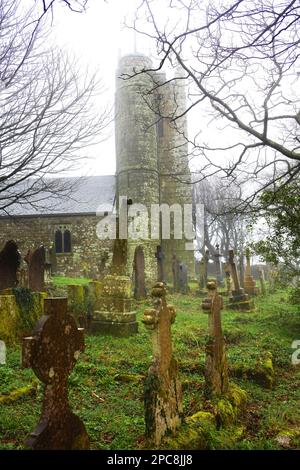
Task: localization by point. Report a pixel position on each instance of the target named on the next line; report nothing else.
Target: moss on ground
(112, 408)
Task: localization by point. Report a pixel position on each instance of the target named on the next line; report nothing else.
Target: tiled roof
(89, 195)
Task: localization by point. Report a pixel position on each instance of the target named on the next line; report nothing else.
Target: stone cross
(216, 369)
(249, 282)
(217, 261)
(10, 260)
(160, 256)
(227, 278)
(162, 390)
(119, 259)
(262, 282)
(234, 274)
(52, 352)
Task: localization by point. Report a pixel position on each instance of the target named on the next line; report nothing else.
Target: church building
(152, 169)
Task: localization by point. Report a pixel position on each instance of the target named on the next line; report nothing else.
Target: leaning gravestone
(162, 390)
(10, 260)
(52, 352)
(216, 369)
(238, 300)
(36, 269)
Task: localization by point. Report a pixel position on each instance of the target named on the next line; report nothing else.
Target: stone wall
(89, 256)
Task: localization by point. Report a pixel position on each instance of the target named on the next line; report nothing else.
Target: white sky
(97, 38)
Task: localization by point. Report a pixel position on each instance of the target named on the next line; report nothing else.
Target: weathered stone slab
(52, 352)
(36, 269)
(162, 390)
(10, 260)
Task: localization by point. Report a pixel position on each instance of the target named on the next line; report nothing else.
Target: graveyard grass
(106, 386)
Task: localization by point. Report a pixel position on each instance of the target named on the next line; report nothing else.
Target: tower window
(63, 241)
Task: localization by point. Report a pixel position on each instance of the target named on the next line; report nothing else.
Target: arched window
(58, 241)
(67, 241)
(63, 240)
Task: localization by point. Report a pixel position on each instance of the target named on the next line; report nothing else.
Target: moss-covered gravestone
(162, 392)
(114, 314)
(249, 282)
(239, 300)
(52, 352)
(216, 369)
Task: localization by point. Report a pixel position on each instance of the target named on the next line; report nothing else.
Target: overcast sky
(97, 38)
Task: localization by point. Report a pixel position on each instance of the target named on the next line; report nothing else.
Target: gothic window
(62, 240)
(67, 241)
(58, 241)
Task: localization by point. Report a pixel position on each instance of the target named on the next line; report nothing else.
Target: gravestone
(36, 269)
(217, 265)
(52, 352)
(175, 272)
(249, 282)
(262, 282)
(2, 353)
(216, 369)
(273, 277)
(162, 390)
(114, 314)
(139, 274)
(238, 299)
(22, 274)
(160, 256)
(227, 278)
(10, 260)
(202, 274)
(183, 286)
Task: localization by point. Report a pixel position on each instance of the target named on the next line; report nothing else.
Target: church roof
(88, 195)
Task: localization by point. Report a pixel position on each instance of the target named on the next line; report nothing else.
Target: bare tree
(239, 60)
(222, 225)
(47, 115)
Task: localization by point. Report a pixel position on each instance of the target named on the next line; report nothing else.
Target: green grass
(106, 387)
(65, 281)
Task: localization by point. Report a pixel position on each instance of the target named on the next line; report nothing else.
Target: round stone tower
(136, 152)
(175, 177)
